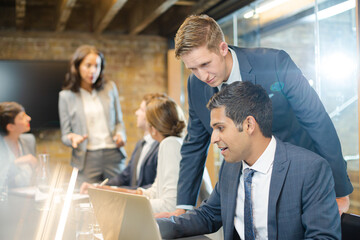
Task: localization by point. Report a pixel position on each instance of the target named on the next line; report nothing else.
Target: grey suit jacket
(18, 175)
(302, 203)
(147, 172)
(72, 119)
(28, 143)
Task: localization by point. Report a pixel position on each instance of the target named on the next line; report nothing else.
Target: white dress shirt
(98, 133)
(235, 70)
(146, 148)
(260, 188)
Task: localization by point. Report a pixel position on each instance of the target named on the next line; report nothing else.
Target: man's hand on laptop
(177, 212)
(84, 187)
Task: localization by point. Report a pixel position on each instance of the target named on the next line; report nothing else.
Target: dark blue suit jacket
(298, 117)
(147, 172)
(302, 201)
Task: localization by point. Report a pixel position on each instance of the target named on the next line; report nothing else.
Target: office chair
(350, 226)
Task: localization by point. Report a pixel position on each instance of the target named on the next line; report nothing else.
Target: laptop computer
(124, 216)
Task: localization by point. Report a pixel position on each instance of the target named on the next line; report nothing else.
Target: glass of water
(85, 220)
(43, 174)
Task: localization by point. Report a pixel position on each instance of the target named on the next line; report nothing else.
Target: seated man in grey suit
(267, 189)
(141, 169)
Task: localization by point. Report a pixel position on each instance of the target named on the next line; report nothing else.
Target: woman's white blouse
(162, 193)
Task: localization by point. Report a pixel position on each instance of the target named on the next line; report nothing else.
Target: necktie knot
(248, 174)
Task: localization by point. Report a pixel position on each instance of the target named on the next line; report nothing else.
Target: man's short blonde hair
(197, 31)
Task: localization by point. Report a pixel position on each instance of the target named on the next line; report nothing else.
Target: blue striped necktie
(248, 216)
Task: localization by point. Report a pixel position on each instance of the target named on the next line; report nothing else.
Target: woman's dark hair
(165, 116)
(73, 78)
(8, 112)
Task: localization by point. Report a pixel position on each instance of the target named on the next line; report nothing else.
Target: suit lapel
(24, 146)
(80, 109)
(244, 65)
(209, 92)
(146, 158)
(280, 169)
(234, 178)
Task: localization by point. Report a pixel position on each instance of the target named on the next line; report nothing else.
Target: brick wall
(137, 64)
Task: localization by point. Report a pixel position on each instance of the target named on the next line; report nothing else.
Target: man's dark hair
(243, 99)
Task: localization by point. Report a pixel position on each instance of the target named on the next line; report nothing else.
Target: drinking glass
(43, 175)
(85, 220)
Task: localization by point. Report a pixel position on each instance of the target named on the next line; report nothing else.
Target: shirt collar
(266, 160)
(148, 139)
(83, 91)
(235, 70)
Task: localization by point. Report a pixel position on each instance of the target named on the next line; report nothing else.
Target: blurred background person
(166, 124)
(141, 169)
(18, 150)
(91, 118)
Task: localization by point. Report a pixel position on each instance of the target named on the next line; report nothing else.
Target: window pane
(320, 36)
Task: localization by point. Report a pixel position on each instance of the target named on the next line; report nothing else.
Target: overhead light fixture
(263, 8)
(336, 9)
(249, 14)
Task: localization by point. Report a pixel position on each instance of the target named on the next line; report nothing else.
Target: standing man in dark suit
(299, 116)
(141, 169)
(267, 189)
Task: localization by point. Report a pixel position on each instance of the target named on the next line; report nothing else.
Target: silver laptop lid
(124, 216)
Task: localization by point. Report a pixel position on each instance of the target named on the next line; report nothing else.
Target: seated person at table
(17, 149)
(166, 124)
(267, 189)
(141, 169)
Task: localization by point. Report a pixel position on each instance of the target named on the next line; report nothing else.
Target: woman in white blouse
(166, 124)
(91, 118)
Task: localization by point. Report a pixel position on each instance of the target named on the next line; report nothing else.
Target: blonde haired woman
(166, 124)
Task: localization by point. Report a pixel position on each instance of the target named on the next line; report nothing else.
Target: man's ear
(249, 124)
(223, 48)
(10, 127)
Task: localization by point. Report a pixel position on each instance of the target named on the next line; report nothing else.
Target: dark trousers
(101, 164)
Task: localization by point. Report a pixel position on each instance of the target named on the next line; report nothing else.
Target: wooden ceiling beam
(20, 10)
(185, 3)
(203, 5)
(200, 7)
(144, 14)
(64, 10)
(105, 11)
